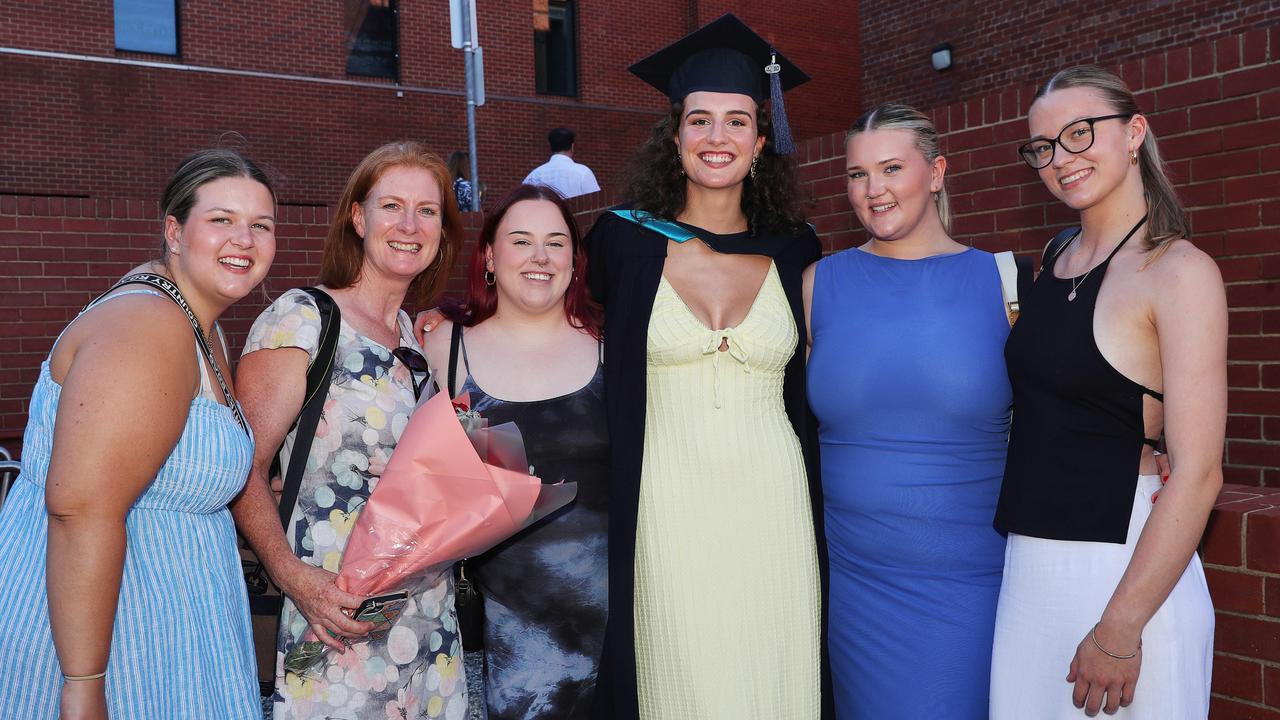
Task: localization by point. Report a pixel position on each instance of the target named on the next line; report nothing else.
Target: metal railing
(9, 469)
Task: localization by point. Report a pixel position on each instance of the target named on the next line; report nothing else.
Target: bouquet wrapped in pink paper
(453, 488)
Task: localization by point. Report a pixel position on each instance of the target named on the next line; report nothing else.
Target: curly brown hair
(657, 182)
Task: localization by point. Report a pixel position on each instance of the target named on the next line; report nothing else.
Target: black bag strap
(318, 379)
(455, 339)
(1057, 244)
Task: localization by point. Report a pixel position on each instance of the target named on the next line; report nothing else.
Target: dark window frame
(393, 73)
(566, 85)
(177, 33)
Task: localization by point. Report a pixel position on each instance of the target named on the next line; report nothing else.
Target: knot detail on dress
(733, 348)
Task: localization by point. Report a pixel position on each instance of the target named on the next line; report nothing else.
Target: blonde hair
(893, 116)
(1166, 219)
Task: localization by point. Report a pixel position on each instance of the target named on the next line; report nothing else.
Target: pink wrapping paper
(438, 501)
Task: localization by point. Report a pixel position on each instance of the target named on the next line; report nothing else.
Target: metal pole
(468, 53)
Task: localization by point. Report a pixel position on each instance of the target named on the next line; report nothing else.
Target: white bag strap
(1008, 283)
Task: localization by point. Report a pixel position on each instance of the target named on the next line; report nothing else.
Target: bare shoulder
(1184, 266)
(136, 333)
(130, 375)
(807, 280)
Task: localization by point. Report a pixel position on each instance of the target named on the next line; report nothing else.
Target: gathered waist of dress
(852, 447)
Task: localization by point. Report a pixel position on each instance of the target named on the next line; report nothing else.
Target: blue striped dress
(181, 645)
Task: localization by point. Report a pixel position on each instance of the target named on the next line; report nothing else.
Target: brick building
(82, 118)
(89, 131)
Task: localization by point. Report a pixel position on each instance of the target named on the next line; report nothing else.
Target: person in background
(561, 173)
(394, 237)
(1104, 604)
(118, 555)
(460, 169)
(907, 379)
(526, 347)
(714, 559)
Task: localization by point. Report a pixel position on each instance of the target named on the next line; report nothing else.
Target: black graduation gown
(624, 267)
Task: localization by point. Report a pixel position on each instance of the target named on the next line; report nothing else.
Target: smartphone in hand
(382, 611)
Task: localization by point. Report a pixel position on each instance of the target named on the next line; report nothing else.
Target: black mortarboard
(725, 56)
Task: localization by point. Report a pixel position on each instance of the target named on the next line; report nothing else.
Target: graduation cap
(725, 56)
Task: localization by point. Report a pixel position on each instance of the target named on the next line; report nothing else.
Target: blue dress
(181, 646)
(907, 379)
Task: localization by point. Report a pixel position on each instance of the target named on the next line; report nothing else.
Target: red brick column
(1242, 563)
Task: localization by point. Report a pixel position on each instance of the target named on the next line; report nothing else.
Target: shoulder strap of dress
(670, 230)
(462, 343)
(168, 287)
(1132, 231)
(454, 340)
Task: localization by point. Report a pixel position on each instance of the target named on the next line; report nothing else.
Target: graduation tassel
(782, 142)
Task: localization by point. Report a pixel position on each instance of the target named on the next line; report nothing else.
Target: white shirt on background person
(565, 176)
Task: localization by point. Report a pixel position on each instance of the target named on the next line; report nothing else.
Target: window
(373, 39)
(149, 26)
(555, 47)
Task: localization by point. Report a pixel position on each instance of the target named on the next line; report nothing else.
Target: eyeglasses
(416, 363)
(1075, 138)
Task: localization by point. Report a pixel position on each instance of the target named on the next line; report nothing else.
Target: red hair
(482, 298)
(343, 258)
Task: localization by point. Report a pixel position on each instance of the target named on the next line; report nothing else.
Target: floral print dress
(416, 670)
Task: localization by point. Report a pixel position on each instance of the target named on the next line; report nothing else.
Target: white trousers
(1053, 593)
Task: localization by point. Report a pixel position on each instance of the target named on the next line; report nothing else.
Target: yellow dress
(726, 595)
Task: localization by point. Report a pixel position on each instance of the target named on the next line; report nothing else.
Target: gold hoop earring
(1133, 157)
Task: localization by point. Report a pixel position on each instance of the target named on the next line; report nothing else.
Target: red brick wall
(999, 45)
(76, 127)
(1242, 565)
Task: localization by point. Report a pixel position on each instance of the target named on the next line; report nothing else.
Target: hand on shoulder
(436, 346)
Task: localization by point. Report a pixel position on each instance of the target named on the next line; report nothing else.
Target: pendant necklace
(1076, 283)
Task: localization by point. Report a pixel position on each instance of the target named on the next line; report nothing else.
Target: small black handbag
(469, 604)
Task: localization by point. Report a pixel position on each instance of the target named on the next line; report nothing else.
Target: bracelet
(1094, 638)
(85, 677)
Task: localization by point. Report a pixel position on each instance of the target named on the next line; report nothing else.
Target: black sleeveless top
(1077, 434)
(546, 589)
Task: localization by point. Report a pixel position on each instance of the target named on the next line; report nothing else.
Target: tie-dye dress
(416, 670)
(546, 589)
